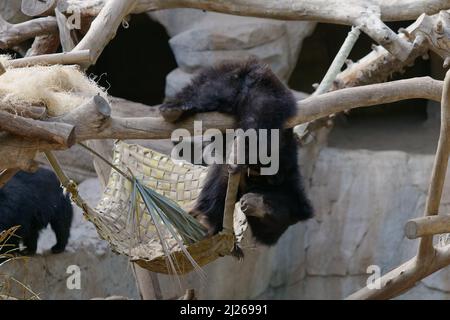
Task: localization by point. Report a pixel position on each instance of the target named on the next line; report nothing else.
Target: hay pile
(59, 88)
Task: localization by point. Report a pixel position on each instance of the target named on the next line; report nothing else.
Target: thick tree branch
(104, 27)
(309, 109)
(371, 24)
(13, 34)
(427, 226)
(359, 13)
(331, 11)
(34, 111)
(90, 118)
(379, 65)
(428, 259)
(35, 8)
(18, 152)
(404, 277)
(439, 169)
(316, 107)
(77, 57)
(93, 121)
(56, 132)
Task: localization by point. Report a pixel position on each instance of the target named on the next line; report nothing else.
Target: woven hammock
(139, 240)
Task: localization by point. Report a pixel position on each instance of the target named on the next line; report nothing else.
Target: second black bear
(32, 201)
(259, 100)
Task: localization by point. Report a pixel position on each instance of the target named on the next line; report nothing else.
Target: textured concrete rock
(204, 38)
(362, 200)
(102, 273)
(10, 11)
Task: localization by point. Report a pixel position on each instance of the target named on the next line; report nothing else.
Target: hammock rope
(169, 182)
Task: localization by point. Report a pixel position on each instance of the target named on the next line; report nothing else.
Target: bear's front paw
(172, 111)
(252, 204)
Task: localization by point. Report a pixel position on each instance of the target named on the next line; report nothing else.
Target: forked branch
(93, 120)
(428, 259)
(13, 34)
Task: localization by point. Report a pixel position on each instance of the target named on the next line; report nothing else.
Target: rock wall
(102, 273)
(362, 201)
(200, 38)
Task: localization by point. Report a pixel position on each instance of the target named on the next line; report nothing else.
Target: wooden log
(427, 226)
(440, 165)
(338, 61)
(393, 283)
(19, 152)
(77, 57)
(428, 259)
(379, 65)
(13, 34)
(309, 109)
(372, 25)
(89, 118)
(103, 29)
(315, 107)
(61, 133)
(34, 112)
(329, 11)
(93, 120)
(356, 13)
(404, 277)
(34, 8)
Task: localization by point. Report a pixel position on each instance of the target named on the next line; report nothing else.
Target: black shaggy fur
(257, 98)
(32, 201)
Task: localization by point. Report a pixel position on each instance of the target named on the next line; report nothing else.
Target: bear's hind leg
(209, 207)
(61, 226)
(30, 241)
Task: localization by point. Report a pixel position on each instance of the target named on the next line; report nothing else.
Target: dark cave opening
(402, 125)
(135, 63)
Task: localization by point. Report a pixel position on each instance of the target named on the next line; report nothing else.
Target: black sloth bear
(32, 201)
(251, 92)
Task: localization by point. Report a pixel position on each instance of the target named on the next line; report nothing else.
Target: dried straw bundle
(59, 88)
